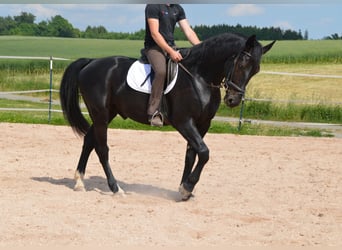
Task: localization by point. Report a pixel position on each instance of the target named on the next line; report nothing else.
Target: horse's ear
(251, 43)
(267, 47)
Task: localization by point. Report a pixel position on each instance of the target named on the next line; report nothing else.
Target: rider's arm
(189, 32)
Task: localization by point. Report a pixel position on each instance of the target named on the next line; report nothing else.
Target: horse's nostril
(228, 100)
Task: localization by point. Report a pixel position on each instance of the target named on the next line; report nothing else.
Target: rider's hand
(176, 56)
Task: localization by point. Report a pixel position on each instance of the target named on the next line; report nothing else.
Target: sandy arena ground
(255, 191)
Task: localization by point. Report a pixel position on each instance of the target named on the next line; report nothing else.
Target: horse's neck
(213, 58)
(213, 70)
(215, 64)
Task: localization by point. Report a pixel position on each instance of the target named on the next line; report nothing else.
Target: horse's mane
(216, 47)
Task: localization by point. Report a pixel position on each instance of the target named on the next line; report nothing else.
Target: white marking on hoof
(120, 192)
(184, 193)
(79, 186)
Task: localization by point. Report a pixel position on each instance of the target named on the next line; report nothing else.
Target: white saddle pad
(137, 74)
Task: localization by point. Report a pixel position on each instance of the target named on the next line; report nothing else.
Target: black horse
(227, 60)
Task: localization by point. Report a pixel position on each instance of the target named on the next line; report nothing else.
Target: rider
(160, 22)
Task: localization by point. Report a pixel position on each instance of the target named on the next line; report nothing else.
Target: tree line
(24, 25)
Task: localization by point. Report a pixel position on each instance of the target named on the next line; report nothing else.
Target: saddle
(171, 66)
(140, 76)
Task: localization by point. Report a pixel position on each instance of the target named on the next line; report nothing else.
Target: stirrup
(155, 114)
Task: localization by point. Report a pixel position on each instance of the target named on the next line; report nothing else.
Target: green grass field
(71, 48)
(306, 51)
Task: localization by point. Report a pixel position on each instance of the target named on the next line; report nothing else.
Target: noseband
(228, 83)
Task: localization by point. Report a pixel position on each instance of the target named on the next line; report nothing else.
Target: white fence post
(51, 58)
(50, 92)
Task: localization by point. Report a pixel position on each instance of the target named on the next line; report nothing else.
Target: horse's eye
(243, 63)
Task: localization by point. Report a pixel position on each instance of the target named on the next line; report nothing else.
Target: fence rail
(28, 91)
(300, 74)
(289, 101)
(35, 58)
(31, 109)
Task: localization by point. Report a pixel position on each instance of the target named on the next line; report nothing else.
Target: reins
(192, 76)
(185, 69)
(227, 82)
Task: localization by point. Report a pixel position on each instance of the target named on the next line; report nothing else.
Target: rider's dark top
(168, 16)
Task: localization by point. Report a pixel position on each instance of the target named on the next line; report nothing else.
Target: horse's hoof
(120, 192)
(79, 185)
(79, 188)
(186, 195)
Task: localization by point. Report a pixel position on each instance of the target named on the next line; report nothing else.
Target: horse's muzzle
(232, 100)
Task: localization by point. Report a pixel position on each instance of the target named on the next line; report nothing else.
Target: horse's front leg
(196, 146)
(189, 183)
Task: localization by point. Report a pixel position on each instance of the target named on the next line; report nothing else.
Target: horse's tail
(69, 96)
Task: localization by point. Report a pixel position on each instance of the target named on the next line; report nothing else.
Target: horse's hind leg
(88, 146)
(102, 150)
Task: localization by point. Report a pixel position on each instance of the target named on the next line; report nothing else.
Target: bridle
(227, 82)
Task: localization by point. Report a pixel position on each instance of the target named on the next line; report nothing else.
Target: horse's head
(246, 64)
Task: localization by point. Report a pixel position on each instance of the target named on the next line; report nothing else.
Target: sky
(319, 19)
